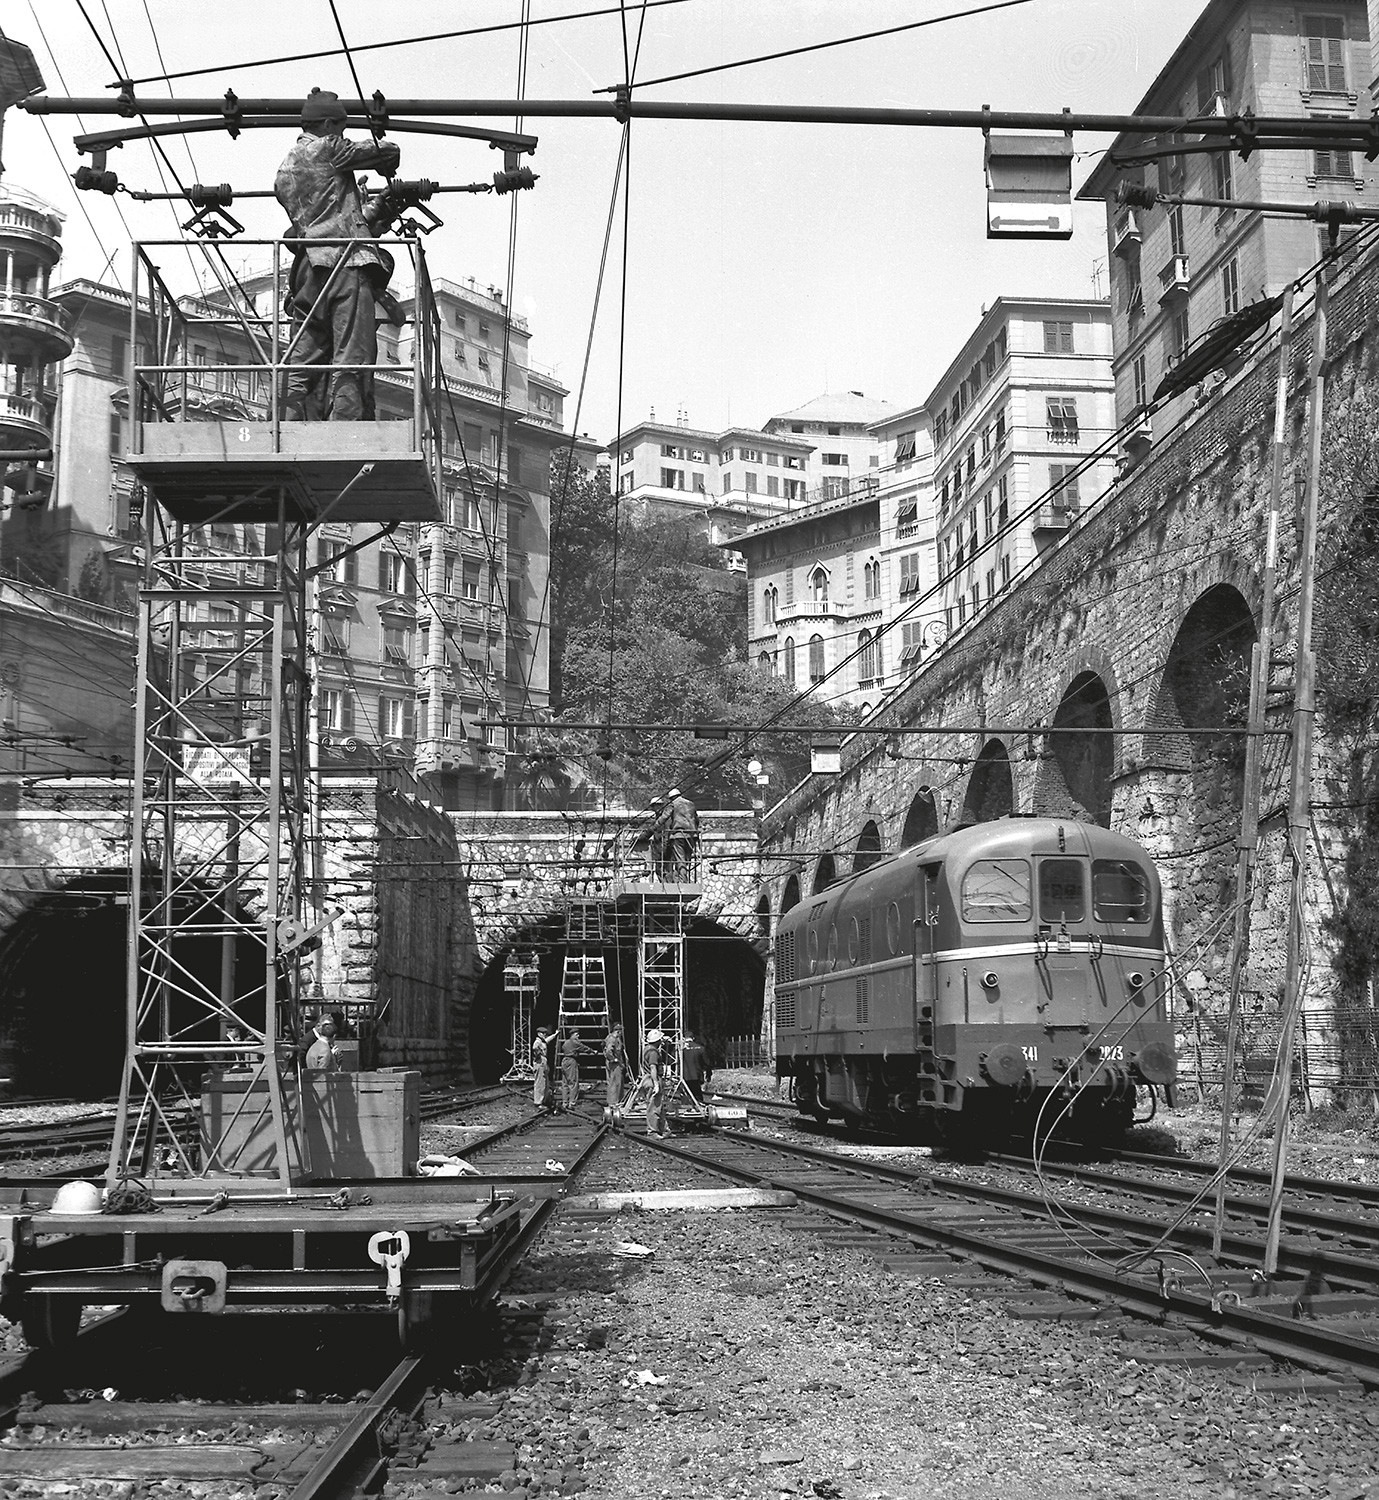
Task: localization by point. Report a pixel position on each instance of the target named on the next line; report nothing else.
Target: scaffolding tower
(223, 795)
(663, 915)
(521, 981)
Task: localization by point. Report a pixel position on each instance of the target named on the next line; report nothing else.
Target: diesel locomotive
(982, 980)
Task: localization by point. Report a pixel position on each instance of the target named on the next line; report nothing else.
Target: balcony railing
(1174, 279)
(27, 412)
(39, 311)
(1125, 238)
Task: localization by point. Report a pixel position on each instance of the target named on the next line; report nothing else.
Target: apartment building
(424, 634)
(1176, 270)
(1015, 418)
(845, 451)
(837, 590)
(675, 467)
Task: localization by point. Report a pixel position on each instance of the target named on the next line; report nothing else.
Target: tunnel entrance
(62, 978)
(725, 987)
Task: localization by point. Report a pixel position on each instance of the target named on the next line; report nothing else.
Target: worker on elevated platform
(321, 1056)
(683, 834)
(333, 287)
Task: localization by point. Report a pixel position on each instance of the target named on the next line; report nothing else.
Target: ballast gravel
(746, 1359)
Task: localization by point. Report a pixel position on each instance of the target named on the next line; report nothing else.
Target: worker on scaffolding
(332, 288)
(650, 840)
(682, 833)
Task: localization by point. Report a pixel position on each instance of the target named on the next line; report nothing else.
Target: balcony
(1174, 280)
(25, 417)
(813, 609)
(43, 320)
(1053, 518)
(1125, 233)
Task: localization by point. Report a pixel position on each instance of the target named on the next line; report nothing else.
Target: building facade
(1176, 270)
(682, 469)
(423, 635)
(1017, 420)
(845, 451)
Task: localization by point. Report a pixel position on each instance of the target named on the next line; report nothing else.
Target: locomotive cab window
(1062, 891)
(1120, 891)
(996, 890)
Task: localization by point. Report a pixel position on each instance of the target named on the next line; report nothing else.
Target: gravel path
(777, 1366)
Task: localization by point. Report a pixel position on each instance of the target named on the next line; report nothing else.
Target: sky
(766, 264)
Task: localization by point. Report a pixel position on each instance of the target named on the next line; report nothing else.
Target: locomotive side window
(996, 890)
(1062, 894)
(893, 928)
(1120, 891)
(832, 954)
(813, 949)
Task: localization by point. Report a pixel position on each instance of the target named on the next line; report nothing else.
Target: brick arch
(1076, 770)
(990, 790)
(1085, 659)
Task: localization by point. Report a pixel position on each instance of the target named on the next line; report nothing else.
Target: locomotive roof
(1002, 837)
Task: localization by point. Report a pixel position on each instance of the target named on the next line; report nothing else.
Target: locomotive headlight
(990, 979)
(1135, 979)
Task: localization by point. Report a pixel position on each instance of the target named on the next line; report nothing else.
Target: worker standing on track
(334, 304)
(694, 1067)
(614, 1065)
(569, 1070)
(655, 1071)
(541, 1083)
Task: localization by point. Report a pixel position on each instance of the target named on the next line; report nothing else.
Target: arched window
(790, 660)
(764, 661)
(871, 580)
(816, 659)
(768, 606)
(866, 656)
(818, 585)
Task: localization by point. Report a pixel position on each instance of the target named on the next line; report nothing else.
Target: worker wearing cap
(682, 832)
(333, 286)
(541, 1083)
(655, 1072)
(614, 1065)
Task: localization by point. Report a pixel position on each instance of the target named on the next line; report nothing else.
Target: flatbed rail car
(960, 986)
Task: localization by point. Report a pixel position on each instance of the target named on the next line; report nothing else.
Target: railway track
(1321, 1313)
(327, 1412)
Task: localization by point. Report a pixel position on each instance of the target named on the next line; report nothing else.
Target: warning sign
(217, 765)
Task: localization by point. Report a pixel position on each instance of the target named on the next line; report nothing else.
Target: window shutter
(1205, 89)
(409, 719)
(346, 711)
(383, 572)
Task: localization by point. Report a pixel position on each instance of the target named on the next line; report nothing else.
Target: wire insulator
(91, 181)
(216, 195)
(1132, 195)
(516, 180)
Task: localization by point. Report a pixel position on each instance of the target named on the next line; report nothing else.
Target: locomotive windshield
(996, 890)
(1120, 891)
(1062, 893)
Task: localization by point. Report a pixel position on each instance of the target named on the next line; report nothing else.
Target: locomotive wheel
(50, 1322)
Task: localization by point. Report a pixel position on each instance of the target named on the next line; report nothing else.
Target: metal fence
(745, 1052)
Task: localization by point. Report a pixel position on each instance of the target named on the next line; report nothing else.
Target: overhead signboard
(1029, 187)
(217, 765)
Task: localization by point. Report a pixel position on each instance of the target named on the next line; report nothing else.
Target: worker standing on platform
(335, 303)
(614, 1065)
(654, 1068)
(569, 1070)
(694, 1067)
(683, 828)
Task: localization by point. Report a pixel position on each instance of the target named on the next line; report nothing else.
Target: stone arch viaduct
(1143, 618)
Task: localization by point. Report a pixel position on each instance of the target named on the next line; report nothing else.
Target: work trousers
(569, 1081)
(341, 331)
(614, 1085)
(656, 1111)
(539, 1088)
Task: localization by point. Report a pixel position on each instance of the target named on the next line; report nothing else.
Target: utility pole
(1248, 843)
(1300, 785)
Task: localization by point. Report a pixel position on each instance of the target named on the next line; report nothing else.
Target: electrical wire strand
(844, 41)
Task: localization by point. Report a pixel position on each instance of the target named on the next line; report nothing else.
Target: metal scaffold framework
(662, 916)
(521, 981)
(584, 1011)
(224, 789)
